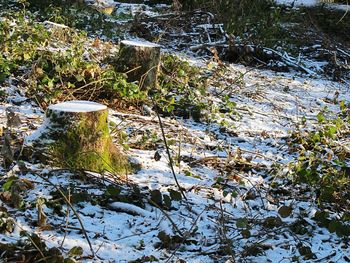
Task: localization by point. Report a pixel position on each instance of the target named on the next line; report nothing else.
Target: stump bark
(75, 135)
(140, 60)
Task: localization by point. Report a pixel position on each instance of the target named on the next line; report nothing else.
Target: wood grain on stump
(75, 135)
(140, 60)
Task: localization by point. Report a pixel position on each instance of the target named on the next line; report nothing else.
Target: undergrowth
(58, 63)
(323, 158)
(263, 22)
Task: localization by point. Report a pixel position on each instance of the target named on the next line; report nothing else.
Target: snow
(298, 2)
(37, 133)
(310, 3)
(78, 106)
(139, 43)
(132, 209)
(124, 231)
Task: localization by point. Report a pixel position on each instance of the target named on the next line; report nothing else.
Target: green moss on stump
(79, 138)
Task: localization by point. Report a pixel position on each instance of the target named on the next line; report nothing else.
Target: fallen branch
(288, 60)
(206, 45)
(130, 209)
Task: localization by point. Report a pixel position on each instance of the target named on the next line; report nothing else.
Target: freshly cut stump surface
(75, 135)
(140, 60)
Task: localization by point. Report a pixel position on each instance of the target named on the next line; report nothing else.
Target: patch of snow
(298, 2)
(77, 106)
(139, 43)
(311, 3)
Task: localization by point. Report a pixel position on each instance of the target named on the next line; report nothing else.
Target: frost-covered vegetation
(245, 162)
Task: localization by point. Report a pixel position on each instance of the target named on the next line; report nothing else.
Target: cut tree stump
(75, 135)
(140, 60)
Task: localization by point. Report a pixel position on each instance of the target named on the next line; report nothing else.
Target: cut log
(75, 135)
(140, 60)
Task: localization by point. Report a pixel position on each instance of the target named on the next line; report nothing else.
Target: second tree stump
(140, 60)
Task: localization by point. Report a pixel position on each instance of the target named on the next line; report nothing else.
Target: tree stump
(140, 60)
(75, 135)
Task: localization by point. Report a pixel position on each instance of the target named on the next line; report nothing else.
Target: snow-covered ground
(313, 3)
(225, 171)
(270, 105)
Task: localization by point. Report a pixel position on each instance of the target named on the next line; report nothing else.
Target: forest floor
(262, 157)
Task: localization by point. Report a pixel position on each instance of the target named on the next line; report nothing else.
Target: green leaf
(242, 222)
(26, 56)
(156, 197)
(76, 251)
(245, 233)
(2, 77)
(175, 195)
(285, 211)
(234, 194)
(306, 251)
(322, 218)
(331, 131)
(6, 186)
(113, 191)
(167, 201)
(272, 222)
(339, 228)
(181, 73)
(320, 117)
(219, 180)
(346, 217)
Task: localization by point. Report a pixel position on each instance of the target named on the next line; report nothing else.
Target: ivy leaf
(320, 117)
(322, 218)
(26, 56)
(6, 186)
(245, 233)
(234, 194)
(156, 197)
(76, 251)
(339, 228)
(175, 195)
(242, 222)
(167, 201)
(331, 131)
(113, 191)
(346, 217)
(272, 222)
(285, 211)
(164, 238)
(306, 251)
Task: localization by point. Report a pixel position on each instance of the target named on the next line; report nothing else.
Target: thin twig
(169, 155)
(73, 209)
(187, 235)
(168, 217)
(67, 220)
(31, 240)
(224, 232)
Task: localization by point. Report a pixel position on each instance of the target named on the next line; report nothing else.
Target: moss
(106, 158)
